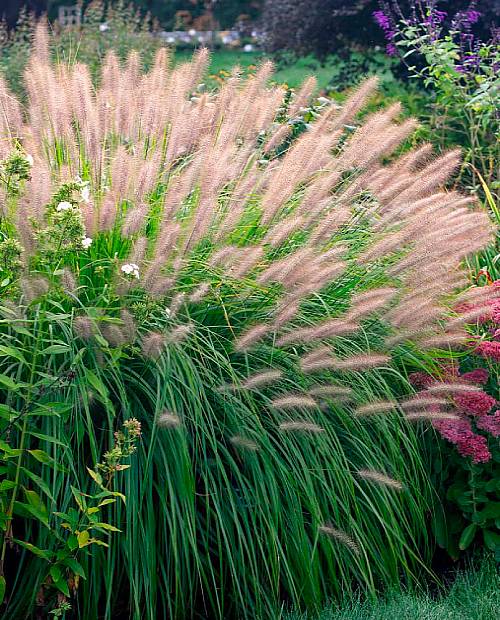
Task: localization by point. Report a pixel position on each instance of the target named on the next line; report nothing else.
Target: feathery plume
(153, 345)
(167, 419)
(261, 378)
(341, 536)
(300, 426)
(382, 406)
(84, 327)
(380, 478)
(243, 443)
(294, 401)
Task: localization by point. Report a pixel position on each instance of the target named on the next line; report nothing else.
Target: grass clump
(473, 595)
(176, 259)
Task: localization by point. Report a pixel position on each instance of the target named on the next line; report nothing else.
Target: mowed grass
(474, 595)
(293, 74)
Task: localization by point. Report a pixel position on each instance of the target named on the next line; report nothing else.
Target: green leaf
(105, 502)
(106, 526)
(96, 477)
(56, 349)
(491, 511)
(41, 484)
(59, 580)
(42, 457)
(7, 413)
(2, 588)
(83, 539)
(48, 438)
(467, 536)
(6, 485)
(74, 566)
(46, 554)
(491, 540)
(73, 542)
(12, 352)
(10, 384)
(37, 505)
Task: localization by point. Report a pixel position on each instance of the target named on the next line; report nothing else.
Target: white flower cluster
(131, 269)
(66, 206)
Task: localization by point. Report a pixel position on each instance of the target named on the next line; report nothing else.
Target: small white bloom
(85, 192)
(103, 27)
(131, 269)
(64, 206)
(167, 312)
(86, 242)
(29, 159)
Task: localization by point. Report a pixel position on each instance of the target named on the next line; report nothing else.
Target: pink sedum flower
(490, 423)
(420, 379)
(490, 350)
(460, 433)
(478, 376)
(475, 403)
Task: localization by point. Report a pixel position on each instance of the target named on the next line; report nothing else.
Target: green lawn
(475, 595)
(293, 74)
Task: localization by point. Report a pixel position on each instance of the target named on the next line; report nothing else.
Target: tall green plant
(251, 306)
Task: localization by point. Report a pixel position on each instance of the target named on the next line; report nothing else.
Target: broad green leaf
(40, 482)
(7, 413)
(83, 539)
(73, 542)
(59, 580)
(467, 536)
(6, 485)
(74, 566)
(42, 457)
(24, 509)
(491, 540)
(12, 352)
(48, 438)
(35, 501)
(56, 349)
(96, 477)
(10, 384)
